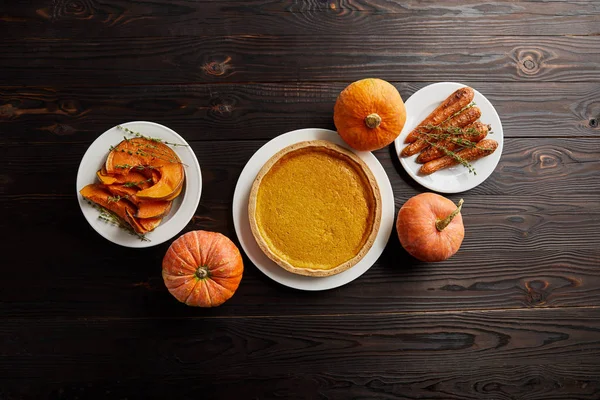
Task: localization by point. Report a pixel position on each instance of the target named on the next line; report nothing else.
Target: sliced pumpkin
(133, 177)
(142, 225)
(101, 196)
(153, 209)
(134, 222)
(145, 208)
(154, 155)
(170, 180)
(175, 194)
(149, 224)
(124, 191)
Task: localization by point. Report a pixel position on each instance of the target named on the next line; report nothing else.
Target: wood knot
(7, 111)
(221, 106)
(536, 292)
(547, 160)
(529, 64)
(594, 123)
(529, 61)
(77, 8)
(216, 68)
(70, 107)
(60, 129)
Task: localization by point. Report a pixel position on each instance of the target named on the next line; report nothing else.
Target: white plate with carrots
(445, 129)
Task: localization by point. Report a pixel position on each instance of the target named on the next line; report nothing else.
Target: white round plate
(184, 206)
(242, 224)
(454, 179)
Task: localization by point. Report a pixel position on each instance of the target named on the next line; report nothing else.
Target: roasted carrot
(459, 121)
(473, 133)
(453, 104)
(483, 148)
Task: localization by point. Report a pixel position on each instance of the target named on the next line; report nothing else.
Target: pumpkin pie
(315, 208)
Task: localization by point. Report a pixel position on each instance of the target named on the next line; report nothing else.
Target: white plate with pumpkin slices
(457, 178)
(182, 206)
(267, 265)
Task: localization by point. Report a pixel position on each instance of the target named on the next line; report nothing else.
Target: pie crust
(315, 208)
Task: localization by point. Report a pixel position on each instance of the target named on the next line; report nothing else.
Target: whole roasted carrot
(482, 149)
(473, 133)
(461, 120)
(453, 104)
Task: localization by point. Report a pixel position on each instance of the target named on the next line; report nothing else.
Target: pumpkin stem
(441, 224)
(373, 120)
(202, 272)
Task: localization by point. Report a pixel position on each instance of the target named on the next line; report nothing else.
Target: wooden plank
(263, 111)
(118, 18)
(260, 58)
(516, 260)
(544, 167)
(531, 240)
(538, 354)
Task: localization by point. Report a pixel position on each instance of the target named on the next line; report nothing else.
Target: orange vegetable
(369, 114)
(430, 227)
(148, 154)
(202, 269)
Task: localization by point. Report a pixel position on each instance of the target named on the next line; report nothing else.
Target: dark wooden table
(514, 315)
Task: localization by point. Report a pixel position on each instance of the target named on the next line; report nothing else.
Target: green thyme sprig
(137, 134)
(454, 155)
(111, 218)
(136, 184)
(115, 199)
(462, 110)
(452, 130)
(138, 167)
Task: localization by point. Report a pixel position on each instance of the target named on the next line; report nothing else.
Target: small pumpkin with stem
(430, 227)
(369, 114)
(202, 269)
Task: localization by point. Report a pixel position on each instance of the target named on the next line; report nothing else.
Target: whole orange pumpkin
(369, 114)
(202, 269)
(430, 227)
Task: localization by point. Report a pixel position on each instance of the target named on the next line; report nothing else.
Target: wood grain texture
(266, 58)
(263, 111)
(542, 167)
(531, 240)
(537, 354)
(119, 18)
(498, 266)
(515, 314)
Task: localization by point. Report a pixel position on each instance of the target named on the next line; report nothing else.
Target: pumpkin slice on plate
(145, 208)
(133, 177)
(170, 180)
(175, 194)
(149, 224)
(124, 191)
(135, 223)
(152, 155)
(153, 208)
(143, 225)
(100, 195)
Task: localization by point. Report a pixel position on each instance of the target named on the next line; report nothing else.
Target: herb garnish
(111, 218)
(137, 134)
